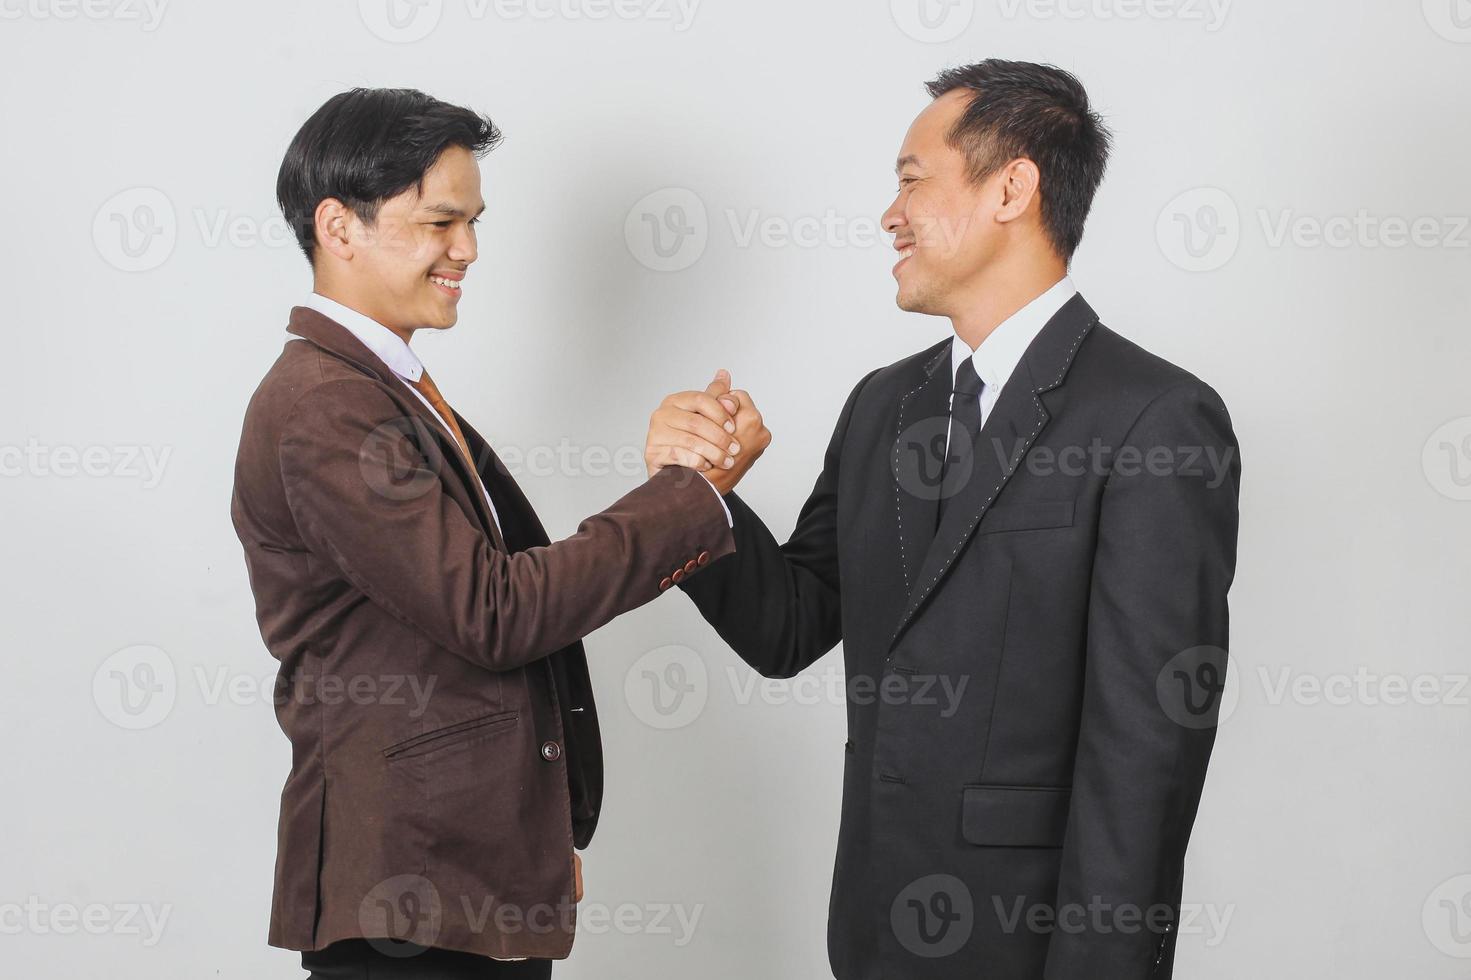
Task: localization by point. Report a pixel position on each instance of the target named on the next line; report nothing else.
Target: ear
(1020, 181)
(332, 221)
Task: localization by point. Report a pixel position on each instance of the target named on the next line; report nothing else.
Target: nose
(894, 218)
(464, 248)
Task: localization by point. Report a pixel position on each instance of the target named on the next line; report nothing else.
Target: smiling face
(406, 268)
(945, 226)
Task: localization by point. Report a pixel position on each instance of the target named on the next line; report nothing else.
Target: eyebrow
(906, 161)
(450, 210)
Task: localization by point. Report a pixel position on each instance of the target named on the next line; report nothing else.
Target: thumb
(720, 385)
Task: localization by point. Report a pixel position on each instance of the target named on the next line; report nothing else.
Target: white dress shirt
(1002, 351)
(392, 350)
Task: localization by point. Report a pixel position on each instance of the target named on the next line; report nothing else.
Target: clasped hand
(717, 432)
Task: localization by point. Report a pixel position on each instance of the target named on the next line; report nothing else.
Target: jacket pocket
(1015, 816)
(451, 735)
(1032, 515)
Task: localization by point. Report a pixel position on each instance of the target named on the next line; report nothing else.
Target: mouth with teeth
(450, 287)
(905, 254)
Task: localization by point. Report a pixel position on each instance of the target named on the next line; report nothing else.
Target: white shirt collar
(387, 345)
(1002, 351)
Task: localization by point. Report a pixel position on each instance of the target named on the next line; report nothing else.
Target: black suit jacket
(1032, 689)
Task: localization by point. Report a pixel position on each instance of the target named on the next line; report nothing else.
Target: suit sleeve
(1157, 615)
(364, 497)
(778, 606)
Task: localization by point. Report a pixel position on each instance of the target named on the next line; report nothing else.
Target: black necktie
(965, 426)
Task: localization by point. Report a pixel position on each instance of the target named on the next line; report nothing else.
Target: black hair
(367, 145)
(1021, 109)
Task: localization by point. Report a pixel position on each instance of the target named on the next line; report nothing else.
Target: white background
(1333, 826)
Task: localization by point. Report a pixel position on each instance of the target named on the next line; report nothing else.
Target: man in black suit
(1034, 515)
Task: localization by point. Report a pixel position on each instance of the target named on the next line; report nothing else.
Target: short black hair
(1041, 112)
(367, 145)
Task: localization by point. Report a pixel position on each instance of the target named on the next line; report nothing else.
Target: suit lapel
(919, 446)
(435, 437)
(1013, 425)
(522, 528)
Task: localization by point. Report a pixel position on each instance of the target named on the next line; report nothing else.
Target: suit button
(665, 583)
(678, 575)
(551, 751)
(704, 558)
(690, 566)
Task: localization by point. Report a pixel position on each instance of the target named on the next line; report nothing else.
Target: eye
(474, 221)
(440, 224)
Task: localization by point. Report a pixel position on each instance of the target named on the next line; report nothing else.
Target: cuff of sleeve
(729, 521)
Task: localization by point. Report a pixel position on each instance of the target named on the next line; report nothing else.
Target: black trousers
(384, 959)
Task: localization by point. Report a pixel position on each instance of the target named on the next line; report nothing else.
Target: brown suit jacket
(445, 747)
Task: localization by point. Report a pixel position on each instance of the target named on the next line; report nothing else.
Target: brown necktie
(430, 391)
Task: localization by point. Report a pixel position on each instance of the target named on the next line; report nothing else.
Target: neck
(1005, 288)
(326, 285)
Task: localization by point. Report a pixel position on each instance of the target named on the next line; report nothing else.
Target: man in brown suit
(446, 757)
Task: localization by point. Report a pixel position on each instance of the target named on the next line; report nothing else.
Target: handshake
(717, 431)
